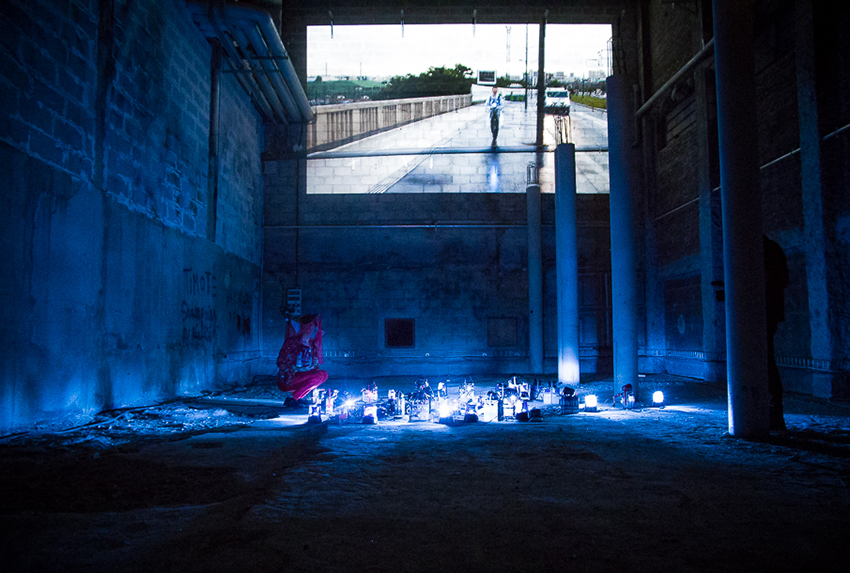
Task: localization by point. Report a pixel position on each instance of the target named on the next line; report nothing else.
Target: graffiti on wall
(242, 303)
(198, 308)
(204, 295)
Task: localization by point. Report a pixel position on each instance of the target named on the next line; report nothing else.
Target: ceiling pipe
(271, 92)
(263, 58)
(213, 30)
(286, 96)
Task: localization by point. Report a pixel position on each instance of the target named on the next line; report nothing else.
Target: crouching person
(300, 357)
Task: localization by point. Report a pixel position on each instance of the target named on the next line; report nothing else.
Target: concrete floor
(645, 490)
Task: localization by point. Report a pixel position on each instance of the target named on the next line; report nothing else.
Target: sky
(382, 51)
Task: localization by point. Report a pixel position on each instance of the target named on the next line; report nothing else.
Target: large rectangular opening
(405, 109)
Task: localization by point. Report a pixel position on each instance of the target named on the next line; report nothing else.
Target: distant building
(486, 77)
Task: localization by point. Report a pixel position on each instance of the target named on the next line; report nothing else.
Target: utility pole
(525, 99)
(541, 79)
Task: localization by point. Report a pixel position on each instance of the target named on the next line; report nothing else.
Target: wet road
(453, 153)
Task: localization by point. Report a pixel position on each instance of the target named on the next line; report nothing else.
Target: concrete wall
(343, 123)
(112, 293)
(802, 178)
(450, 262)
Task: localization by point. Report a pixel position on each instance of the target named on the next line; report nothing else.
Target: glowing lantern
(445, 409)
(658, 399)
(370, 414)
(471, 414)
(590, 403)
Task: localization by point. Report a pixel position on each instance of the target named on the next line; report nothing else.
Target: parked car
(557, 101)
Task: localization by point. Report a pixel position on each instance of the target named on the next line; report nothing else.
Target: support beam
(535, 272)
(704, 54)
(743, 248)
(566, 263)
(623, 249)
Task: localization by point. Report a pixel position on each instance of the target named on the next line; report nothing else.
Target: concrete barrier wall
(454, 263)
(339, 124)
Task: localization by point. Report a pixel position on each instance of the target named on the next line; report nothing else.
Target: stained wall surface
(800, 103)
(113, 294)
(455, 264)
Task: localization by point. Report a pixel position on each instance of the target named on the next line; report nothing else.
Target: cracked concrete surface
(641, 490)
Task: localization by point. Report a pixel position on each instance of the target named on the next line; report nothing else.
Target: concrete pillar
(621, 167)
(743, 247)
(566, 264)
(817, 241)
(535, 273)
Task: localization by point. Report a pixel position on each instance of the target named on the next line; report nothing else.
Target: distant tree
(435, 82)
(585, 86)
(318, 78)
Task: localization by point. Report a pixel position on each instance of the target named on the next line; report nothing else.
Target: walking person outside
(494, 104)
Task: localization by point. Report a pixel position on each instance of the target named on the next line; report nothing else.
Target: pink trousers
(302, 383)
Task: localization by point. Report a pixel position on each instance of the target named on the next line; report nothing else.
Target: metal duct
(255, 53)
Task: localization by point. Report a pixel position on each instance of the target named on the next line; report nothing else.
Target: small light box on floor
(445, 409)
(370, 414)
(315, 414)
(658, 399)
(590, 403)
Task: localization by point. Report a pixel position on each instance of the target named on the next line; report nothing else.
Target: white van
(557, 101)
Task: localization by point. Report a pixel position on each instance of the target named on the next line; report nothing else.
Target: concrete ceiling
(312, 12)
(294, 16)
